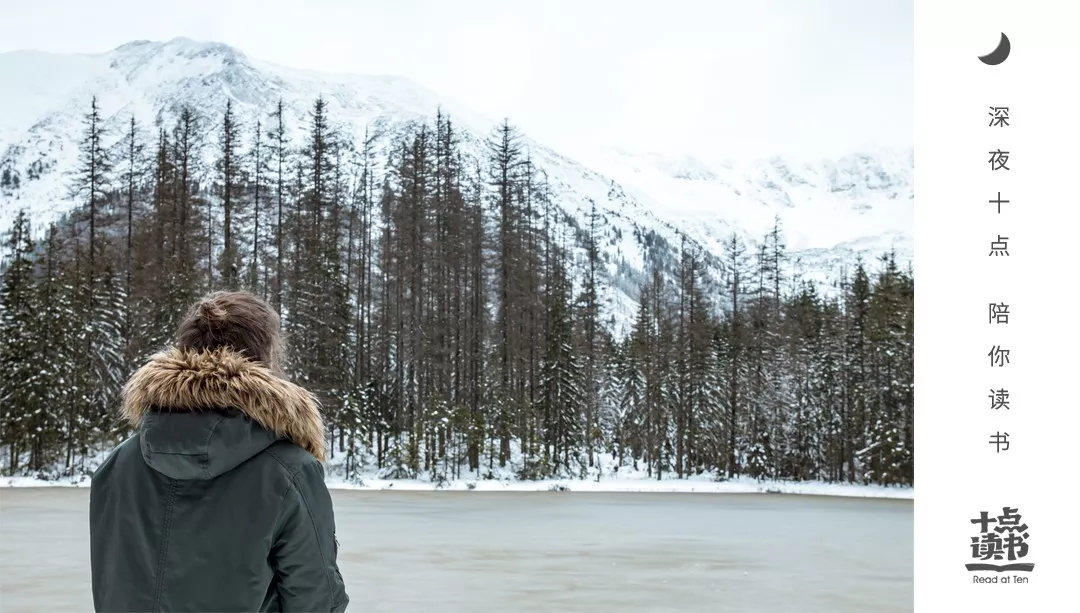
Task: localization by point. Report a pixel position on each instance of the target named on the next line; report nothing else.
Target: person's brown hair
(239, 321)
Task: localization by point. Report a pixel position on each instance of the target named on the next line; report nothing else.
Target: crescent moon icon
(998, 55)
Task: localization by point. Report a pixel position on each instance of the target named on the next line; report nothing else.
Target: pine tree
(734, 252)
(257, 172)
(857, 367)
(319, 315)
(18, 311)
(57, 351)
(280, 161)
(133, 177)
(476, 326)
(506, 158)
(561, 397)
(186, 172)
(107, 364)
(93, 180)
(890, 461)
(165, 244)
(803, 422)
(828, 390)
(633, 376)
(591, 336)
(696, 371)
(228, 168)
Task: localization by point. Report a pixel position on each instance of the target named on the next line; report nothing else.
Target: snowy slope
(831, 210)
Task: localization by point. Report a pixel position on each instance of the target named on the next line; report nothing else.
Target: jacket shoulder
(119, 454)
(293, 459)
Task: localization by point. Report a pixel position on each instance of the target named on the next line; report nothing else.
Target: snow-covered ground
(703, 486)
(606, 475)
(639, 483)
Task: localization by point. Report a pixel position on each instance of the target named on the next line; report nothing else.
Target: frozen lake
(474, 552)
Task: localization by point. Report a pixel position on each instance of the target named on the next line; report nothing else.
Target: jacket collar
(186, 380)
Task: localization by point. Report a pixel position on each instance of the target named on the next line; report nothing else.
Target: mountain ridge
(833, 211)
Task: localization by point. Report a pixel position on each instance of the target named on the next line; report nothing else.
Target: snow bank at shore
(613, 485)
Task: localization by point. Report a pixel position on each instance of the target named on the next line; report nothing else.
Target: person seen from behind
(218, 502)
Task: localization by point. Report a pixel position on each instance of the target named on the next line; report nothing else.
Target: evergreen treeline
(446, 312)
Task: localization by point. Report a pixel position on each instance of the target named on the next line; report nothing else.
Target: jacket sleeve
(304, 554)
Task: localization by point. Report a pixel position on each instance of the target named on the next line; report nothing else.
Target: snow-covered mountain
(831, 210)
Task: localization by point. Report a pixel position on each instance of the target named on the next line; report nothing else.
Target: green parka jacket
(218, 502)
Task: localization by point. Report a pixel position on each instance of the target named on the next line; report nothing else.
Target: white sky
(720, 78)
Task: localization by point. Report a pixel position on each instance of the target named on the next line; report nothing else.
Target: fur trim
(193, 380)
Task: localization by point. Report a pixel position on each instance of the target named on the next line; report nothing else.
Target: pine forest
(445, 310)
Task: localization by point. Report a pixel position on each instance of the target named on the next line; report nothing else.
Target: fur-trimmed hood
(181, 380)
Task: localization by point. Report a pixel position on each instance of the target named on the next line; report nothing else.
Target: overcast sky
(719, 78)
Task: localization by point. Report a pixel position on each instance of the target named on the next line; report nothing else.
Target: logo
(1005, 540)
